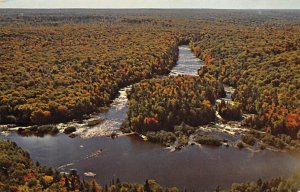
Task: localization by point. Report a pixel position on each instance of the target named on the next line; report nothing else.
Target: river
(131, 159)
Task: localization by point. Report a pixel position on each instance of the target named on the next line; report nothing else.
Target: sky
(215, 4)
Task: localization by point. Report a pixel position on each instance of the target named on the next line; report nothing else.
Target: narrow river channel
(195, 168)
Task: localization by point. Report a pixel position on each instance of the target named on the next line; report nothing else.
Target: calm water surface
(134, 160)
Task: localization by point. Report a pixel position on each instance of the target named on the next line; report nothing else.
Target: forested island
(62, 67)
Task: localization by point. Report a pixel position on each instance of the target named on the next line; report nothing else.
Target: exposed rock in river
(89, 174)
(94, 122)
(69, 130)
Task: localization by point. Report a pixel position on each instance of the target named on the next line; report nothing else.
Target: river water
(131, 159)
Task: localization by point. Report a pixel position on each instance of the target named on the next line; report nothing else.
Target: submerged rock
(69, 130)
(178, 147)
(240, 145)
(94, 122)
(44, 129)
(38, 130)
(113, 135)
(20, 130)
(33, 128)
(72, 135)
(25, 131)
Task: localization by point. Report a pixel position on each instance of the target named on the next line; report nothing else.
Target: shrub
(207, 140)
(248, 139)
(230, 111)
(163, 137)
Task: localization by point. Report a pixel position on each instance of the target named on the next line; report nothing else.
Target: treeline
(263, 63)
(55, 74)
(162, 103)
(291, 184)
(148, 186)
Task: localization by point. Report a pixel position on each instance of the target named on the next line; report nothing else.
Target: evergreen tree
(147, 186)
(94, 186)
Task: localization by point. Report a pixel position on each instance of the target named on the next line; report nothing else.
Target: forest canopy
(162, 103)
(53, 74)
(56, 67)
(263, 63)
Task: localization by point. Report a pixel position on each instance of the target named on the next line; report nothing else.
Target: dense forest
(159, 104)
(277, 184)
(263, 64)
(170, 108)
(54, 69)
(53, 74)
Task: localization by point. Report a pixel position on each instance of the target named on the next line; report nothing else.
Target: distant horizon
(152, 4)
(144, 9)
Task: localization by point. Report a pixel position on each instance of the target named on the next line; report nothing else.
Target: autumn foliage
(161, 103)
(261, 60)
(55, 73)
